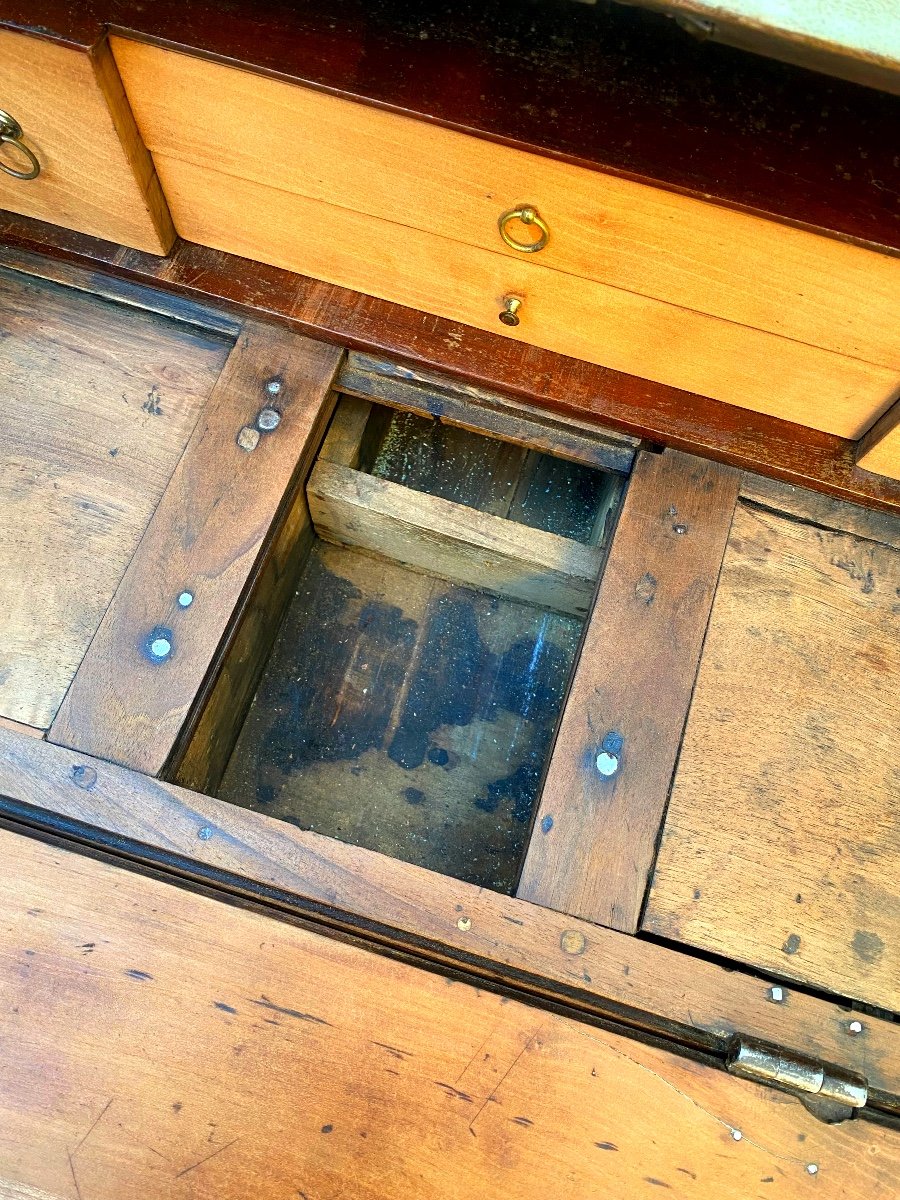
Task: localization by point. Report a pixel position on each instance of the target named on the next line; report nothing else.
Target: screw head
(464, 924)
(186, 599)
(204, 834)
(160, 647)
(268, 419)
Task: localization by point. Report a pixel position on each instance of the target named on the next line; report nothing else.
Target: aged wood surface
(604, 85)
(452, 540)
(97, 403)
(162, 1057)
(582, 318)
(96, 176)
(879, 450)
(407, 714)
(595, 834)
(792, 453)
(781, 845)
(203, 542)
(18, 727)
(658, 243)
(821, 510)
(546, 953)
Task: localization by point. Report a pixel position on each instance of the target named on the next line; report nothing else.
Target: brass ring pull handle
(528, 216)
(11, 135)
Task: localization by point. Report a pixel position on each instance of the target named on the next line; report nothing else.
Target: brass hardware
(831, 1093)
(528, 216)
(510, 314)
(11, 135)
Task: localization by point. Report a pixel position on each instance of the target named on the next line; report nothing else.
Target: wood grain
(18, 727)
(879, 449)
(162, 1057)
(96, 176)
(613, 975)
(820, 510)
(451, 540)
(578, 317)
(781, 846)
(658, 243)
(595, 834)
(218, 512)
(792, 453)
(98, 402)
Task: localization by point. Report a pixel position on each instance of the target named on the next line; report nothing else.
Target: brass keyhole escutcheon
(528, 215)
(11, 135)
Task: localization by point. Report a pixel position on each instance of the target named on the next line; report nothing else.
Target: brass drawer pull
(11, 135)
(510, 314)
(528, 216)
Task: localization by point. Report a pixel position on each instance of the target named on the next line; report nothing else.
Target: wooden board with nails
(184, 1039)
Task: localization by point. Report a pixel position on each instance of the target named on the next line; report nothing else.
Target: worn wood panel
(658, 243)
(544, 953)
(451, 540)
(879, 450)
(781, 845)
(161, 1056)
(820, 510)
(578, 317)
(594, 839)
(96, 175)
(97, 403)
(18, 727)
(589, 394)
(204, 540)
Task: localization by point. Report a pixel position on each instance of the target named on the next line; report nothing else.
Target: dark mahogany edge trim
(618, 89)
(656, 413)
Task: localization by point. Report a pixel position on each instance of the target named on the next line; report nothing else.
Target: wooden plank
(343, 441)
(447, 539)
(211, 525)
(604, 796)
(781, 846)
(577, 317)
(695, 424)
(879, 449)
(543, 953)
(823, 511)
(661, 244)
(455, 403)
(18, 727)
(183, 1039)
(94, 416)
(96, 175)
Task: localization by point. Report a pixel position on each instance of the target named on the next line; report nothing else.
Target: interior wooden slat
(781, 845)
(97, 403)
(160, 1043)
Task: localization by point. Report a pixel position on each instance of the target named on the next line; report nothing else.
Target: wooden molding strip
(879, 449)
(567, 387)
(543, 953)
(605, 792)
(152, 652)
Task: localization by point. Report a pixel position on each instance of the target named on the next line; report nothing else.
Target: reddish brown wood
(603, 800)
(606, 86)
(660, 414)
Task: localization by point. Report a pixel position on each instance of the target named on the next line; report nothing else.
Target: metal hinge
(830, 1093)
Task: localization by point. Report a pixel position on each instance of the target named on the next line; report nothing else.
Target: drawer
(95, 175)
(749, 302)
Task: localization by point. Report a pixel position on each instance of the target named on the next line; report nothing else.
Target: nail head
(855, 1027)
(812, 1168)
(268, 419)
(186, 599)
(160, 647)
(464, 924)
(776, 994)
(607, 764)
(736, 1134)
(248, 438)
(572, 941)
(204, 834)
(273, 387)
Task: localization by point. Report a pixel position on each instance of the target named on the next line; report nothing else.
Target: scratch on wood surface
(94, 1125)
(503, 1079)
(265, 1002)
(74, 1176)
(219, 1150)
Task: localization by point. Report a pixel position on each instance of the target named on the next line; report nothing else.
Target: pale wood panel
(604, 972)
(97, 403)
(451, 540)
(96, 175)
(673, 247)
(18, 727)
(781, 845)
(879, 450)
(595, 834)
(159, 1043)
(561, 312)
(207, 536)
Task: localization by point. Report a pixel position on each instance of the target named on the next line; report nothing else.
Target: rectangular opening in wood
(414, 684)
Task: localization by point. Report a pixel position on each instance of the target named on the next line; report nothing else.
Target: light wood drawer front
(560, 312)
(687, 252)
(96, 177)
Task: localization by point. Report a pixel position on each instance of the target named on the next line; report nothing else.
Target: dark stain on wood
(133, 973)
(220, 1004)
(792, 944)
(867, 946)
(265, 1002)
